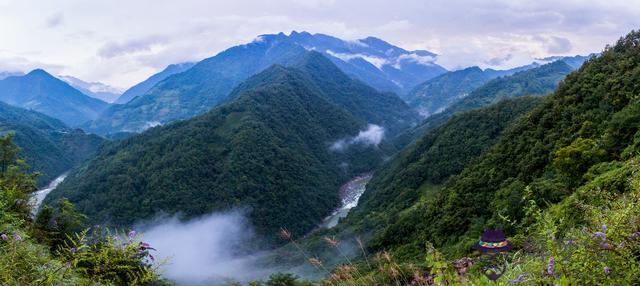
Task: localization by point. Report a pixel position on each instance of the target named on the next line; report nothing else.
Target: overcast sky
(121, 42)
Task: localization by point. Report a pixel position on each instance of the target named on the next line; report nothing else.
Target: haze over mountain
(146, 85)
(209, 82)
(97, 90)
(282, 145)
(42, 92)
(5, 74)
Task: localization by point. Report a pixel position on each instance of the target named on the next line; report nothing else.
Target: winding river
(38, 197)
(350, 193)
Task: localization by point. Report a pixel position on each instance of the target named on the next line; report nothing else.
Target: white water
(349, 195)
(38, 197)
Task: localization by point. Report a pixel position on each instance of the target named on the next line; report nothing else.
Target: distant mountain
(5, 74)
(146, 85)
(538, 81)
(94, 89)
(47, 94)
(209, 82)
(436, 94)
(281, 145)
(47, 144)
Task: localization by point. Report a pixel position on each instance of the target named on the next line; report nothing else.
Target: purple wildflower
(520, 278)
(635, 234)
(604, 227)
(600, 234)
(151, 257)
(607, 270)
(132, 234)
(17, 237)
(73, 250)
(551, 265)
(4, 236)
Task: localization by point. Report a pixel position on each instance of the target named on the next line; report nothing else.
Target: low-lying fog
(205, 250)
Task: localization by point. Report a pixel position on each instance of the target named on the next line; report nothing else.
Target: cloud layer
(122, 42)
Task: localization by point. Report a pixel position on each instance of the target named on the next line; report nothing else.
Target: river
(38, 197)
(350, 193)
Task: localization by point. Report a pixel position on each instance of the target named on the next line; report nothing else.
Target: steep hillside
(44, 93)
(146, 85)
(280, 147)
(587, 128)
(46, 144)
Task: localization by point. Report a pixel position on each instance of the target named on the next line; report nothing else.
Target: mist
(373, 135)
(205, 251)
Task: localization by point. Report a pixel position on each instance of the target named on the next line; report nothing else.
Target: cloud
(55, 20)
(145, 44)
(423, 60)
(497, 61)
(372, 136)
(558, 45)
(208, 250)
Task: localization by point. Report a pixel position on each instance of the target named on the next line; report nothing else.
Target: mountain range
(282, 144)
(209, 82)
(435, 95)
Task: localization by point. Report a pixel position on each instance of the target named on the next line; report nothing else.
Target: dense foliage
(44, 93)
(268, 150)
(582, 130)
(46, 144)
(537, 81)
(55, 249)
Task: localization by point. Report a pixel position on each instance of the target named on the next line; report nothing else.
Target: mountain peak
(39, 72)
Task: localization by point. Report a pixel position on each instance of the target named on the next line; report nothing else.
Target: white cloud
(372, 136)
(195, 29)
(205, 250)
(377, 62)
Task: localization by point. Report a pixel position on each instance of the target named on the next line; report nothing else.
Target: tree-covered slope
(581, 131)
(44, 93)
(269, 150)
(537, 81)
(47, 144)
(443, 152)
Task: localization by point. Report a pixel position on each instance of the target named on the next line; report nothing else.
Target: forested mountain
(282, 145)
(538, 81)
(210, 81)
(44, 93)
(578, 139)
(97, 90)
(47, 144)
(146, 85)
